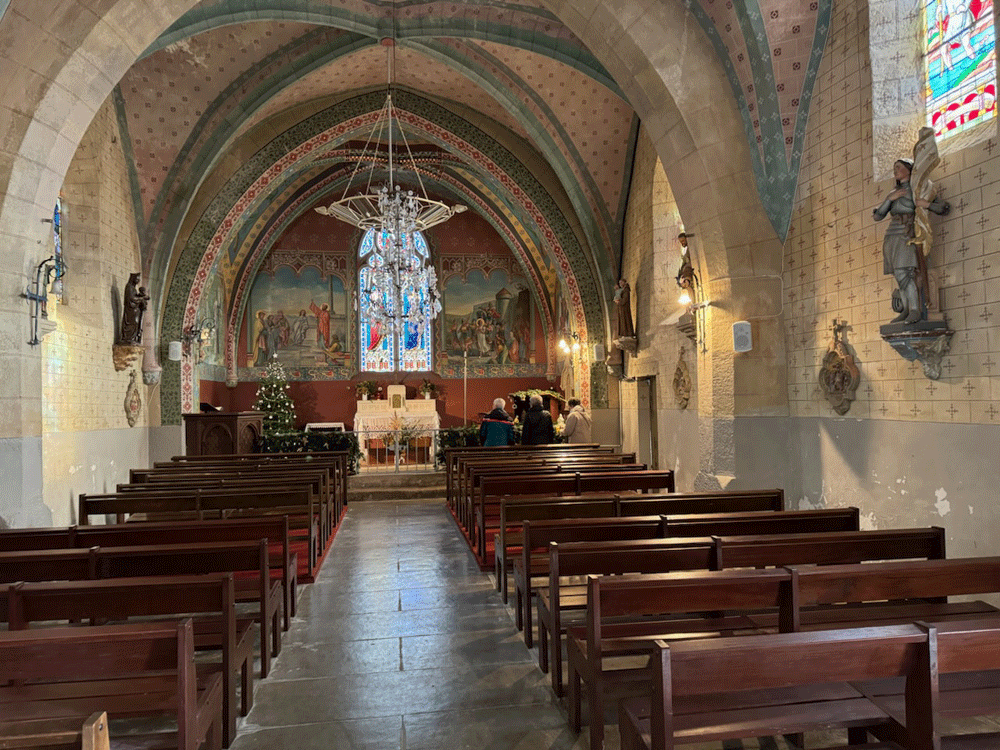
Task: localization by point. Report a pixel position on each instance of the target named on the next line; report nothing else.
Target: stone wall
(87, 443)
(650, 263)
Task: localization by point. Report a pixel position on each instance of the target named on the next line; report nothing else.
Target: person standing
(538, 429)
(497, 427)
(577, 429)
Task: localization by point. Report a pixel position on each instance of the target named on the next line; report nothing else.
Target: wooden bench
(539, 535)
(297, 503)
(586, 660)
(453, 455)
(57, 734)
(470, 482)
(736, 501)
(270, 475)
(249, 558)
(577, 483)
(765, 685)
(272, 528)
(337, 462)
(130, 670)
(515, 510)
(30, 604)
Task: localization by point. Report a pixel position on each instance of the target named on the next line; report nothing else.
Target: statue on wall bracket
(839, 376)
(905, 248)
(128, 345)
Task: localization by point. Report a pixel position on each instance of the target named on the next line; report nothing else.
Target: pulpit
(378, 420)
(218, 433)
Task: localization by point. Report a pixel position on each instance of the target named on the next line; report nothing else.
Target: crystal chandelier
(400, 286)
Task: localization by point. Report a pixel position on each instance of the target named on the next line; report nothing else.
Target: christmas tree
(274, 401)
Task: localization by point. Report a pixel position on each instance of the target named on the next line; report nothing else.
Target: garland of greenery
(314, 441)
(525, 395)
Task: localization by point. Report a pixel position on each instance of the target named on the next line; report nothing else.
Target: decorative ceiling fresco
(232, 70)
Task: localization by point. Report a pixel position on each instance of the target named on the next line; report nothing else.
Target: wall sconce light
(692, 323)
(49, 271)
(199, 333)
(568, 348)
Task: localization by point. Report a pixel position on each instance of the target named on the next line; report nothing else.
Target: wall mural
(212, 318)
(491, 318)
(299, 317)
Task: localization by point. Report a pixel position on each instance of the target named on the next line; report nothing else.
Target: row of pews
(162, 599)
(724, 616)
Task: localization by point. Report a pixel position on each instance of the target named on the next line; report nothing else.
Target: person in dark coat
(538, 429)
(497, 427)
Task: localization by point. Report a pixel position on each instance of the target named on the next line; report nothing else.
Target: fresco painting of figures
(299, 317)
(490, 318)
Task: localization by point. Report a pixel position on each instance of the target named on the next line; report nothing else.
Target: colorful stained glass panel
(960, 64)
(381, 350)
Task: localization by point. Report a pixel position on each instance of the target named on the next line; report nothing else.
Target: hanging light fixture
(401, 285)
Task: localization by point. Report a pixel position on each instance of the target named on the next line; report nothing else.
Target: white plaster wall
(88, 462)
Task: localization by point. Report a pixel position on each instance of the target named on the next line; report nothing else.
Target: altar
(374, 419)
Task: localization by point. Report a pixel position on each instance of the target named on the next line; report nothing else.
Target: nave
(403, 643)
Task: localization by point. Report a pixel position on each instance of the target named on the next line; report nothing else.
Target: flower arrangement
(366, 388)
(426, 386)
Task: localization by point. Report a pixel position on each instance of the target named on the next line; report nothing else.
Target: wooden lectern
(219, 433)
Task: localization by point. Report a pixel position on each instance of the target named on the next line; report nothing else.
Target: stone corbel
(927, 341)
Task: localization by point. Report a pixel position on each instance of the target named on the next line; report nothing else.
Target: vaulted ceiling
(511, 114)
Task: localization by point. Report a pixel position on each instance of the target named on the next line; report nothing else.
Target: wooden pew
(454, 454)
(961, 682)
(514, 513)
(585, 659)
(26, 604)
(272, 528)
(164, 560)
(733, 688)
(472, 474)
(338, 462)
(57, 734)
(514, 510)
(130, 670)
(578, 483)
(242, 475)
(296, 503)
(539, 535)
(736, 501)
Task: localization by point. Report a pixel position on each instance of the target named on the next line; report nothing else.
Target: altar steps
(405, 485)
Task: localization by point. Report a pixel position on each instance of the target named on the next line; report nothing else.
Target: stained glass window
(382, 350)
(960, 64)
(57, 242)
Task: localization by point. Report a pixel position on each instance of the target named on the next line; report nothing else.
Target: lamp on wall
(199, 332)
(570, 348)
(49, 271)
(692, 322)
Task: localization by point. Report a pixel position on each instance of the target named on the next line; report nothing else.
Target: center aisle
(403, 643)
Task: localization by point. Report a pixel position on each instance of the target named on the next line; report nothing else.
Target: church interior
(693, 217)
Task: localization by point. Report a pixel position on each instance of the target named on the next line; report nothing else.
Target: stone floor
(402, 643)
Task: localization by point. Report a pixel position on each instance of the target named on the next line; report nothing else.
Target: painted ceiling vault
(234, 79)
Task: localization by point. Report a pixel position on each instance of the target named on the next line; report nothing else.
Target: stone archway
(691, 117)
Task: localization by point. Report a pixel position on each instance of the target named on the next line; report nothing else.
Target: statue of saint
(908, 236)
(623, 301)
(132, 311)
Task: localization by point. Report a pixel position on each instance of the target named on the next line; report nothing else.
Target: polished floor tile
(403, 643)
